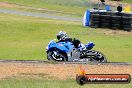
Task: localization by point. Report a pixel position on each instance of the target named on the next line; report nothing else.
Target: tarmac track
(42, 15)
(46, 62)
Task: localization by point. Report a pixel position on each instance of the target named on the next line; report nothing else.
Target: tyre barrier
(113, 20)
(95, 22)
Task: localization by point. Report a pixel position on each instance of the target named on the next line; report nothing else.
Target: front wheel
(56, 55)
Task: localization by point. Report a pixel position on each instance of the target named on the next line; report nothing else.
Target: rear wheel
(96, 56)
(56, 55)
(100, 57)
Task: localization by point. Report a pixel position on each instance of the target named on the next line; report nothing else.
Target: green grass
(25, 38)
(13, 83)
(128, 1)
(75, 8)
(80, 3)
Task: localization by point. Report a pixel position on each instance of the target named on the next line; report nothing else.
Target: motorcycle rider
(63, 37)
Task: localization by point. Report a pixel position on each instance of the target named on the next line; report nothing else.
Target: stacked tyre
(113, 20)
(116, 22)
(105, 21)
(127, 22)
(95, 21)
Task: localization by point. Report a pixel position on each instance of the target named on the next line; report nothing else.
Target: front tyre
(56, 55)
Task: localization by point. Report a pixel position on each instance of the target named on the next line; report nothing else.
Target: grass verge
(14, 83)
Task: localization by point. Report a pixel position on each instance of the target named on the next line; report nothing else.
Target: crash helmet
(62, 35)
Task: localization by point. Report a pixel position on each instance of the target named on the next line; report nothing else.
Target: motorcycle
(66, 51)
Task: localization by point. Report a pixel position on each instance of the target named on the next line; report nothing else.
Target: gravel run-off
(57, 71)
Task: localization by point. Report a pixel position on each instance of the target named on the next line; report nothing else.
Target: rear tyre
(96, 56)
(100, 57)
